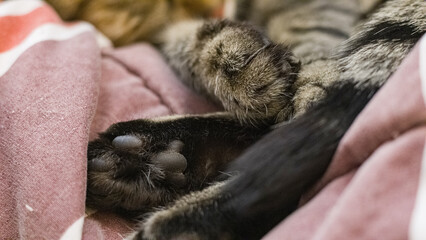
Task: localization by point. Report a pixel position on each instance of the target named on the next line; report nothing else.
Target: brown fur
(128, 21)
(260, 79)
(236, 66)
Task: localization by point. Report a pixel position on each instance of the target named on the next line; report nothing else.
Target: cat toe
(99, 165)
(171, 159)
(127, 142)
(176, 179)
(173, 163)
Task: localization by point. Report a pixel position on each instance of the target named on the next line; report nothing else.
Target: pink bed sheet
(60, 84)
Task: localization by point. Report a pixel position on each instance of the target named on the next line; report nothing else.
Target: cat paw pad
(133, 172)
(173, 163)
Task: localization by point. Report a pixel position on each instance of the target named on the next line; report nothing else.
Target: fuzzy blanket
(375, 187)
(62, 83)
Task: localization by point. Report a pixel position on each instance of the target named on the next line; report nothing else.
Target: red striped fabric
(57, 90)
(14, 29)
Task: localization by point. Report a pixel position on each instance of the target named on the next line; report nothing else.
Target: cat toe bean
(177, 179)
(127, 142)
(170, 161)
(176, 145)
(98, 165)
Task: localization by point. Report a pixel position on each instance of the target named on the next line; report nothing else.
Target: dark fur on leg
(141, 164)
(284, 164)
(274, 174)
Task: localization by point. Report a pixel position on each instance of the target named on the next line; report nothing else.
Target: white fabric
(417, 229)
(48, 31)
(19, 7)
(75, 231)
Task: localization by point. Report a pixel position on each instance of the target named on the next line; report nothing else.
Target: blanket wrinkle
(394, 165)
(58, 91)
(380, 157)
(114, 106)
(36, 148)
(379, 122)
(173, 92)
(141, 76)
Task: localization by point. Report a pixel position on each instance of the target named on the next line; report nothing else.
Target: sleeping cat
(286, 108)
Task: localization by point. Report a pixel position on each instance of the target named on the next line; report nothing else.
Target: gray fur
(262, 79)
(369, 65)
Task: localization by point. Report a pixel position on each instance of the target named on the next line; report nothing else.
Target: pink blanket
(375, 187)
(61, 83)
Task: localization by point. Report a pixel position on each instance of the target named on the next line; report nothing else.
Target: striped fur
(316, 71)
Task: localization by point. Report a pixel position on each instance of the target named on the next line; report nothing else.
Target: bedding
(375, 187)
(62, 83)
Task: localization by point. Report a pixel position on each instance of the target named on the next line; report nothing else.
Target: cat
(129, 21)
(286, 108)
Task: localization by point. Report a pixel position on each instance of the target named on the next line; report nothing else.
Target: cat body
(289, 96)
(128, 21)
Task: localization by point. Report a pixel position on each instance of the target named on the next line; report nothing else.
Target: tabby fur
(291, 91)
(129, 21)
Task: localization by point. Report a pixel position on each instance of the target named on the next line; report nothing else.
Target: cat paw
(241, 68)
(195, 216)
(134, 171)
